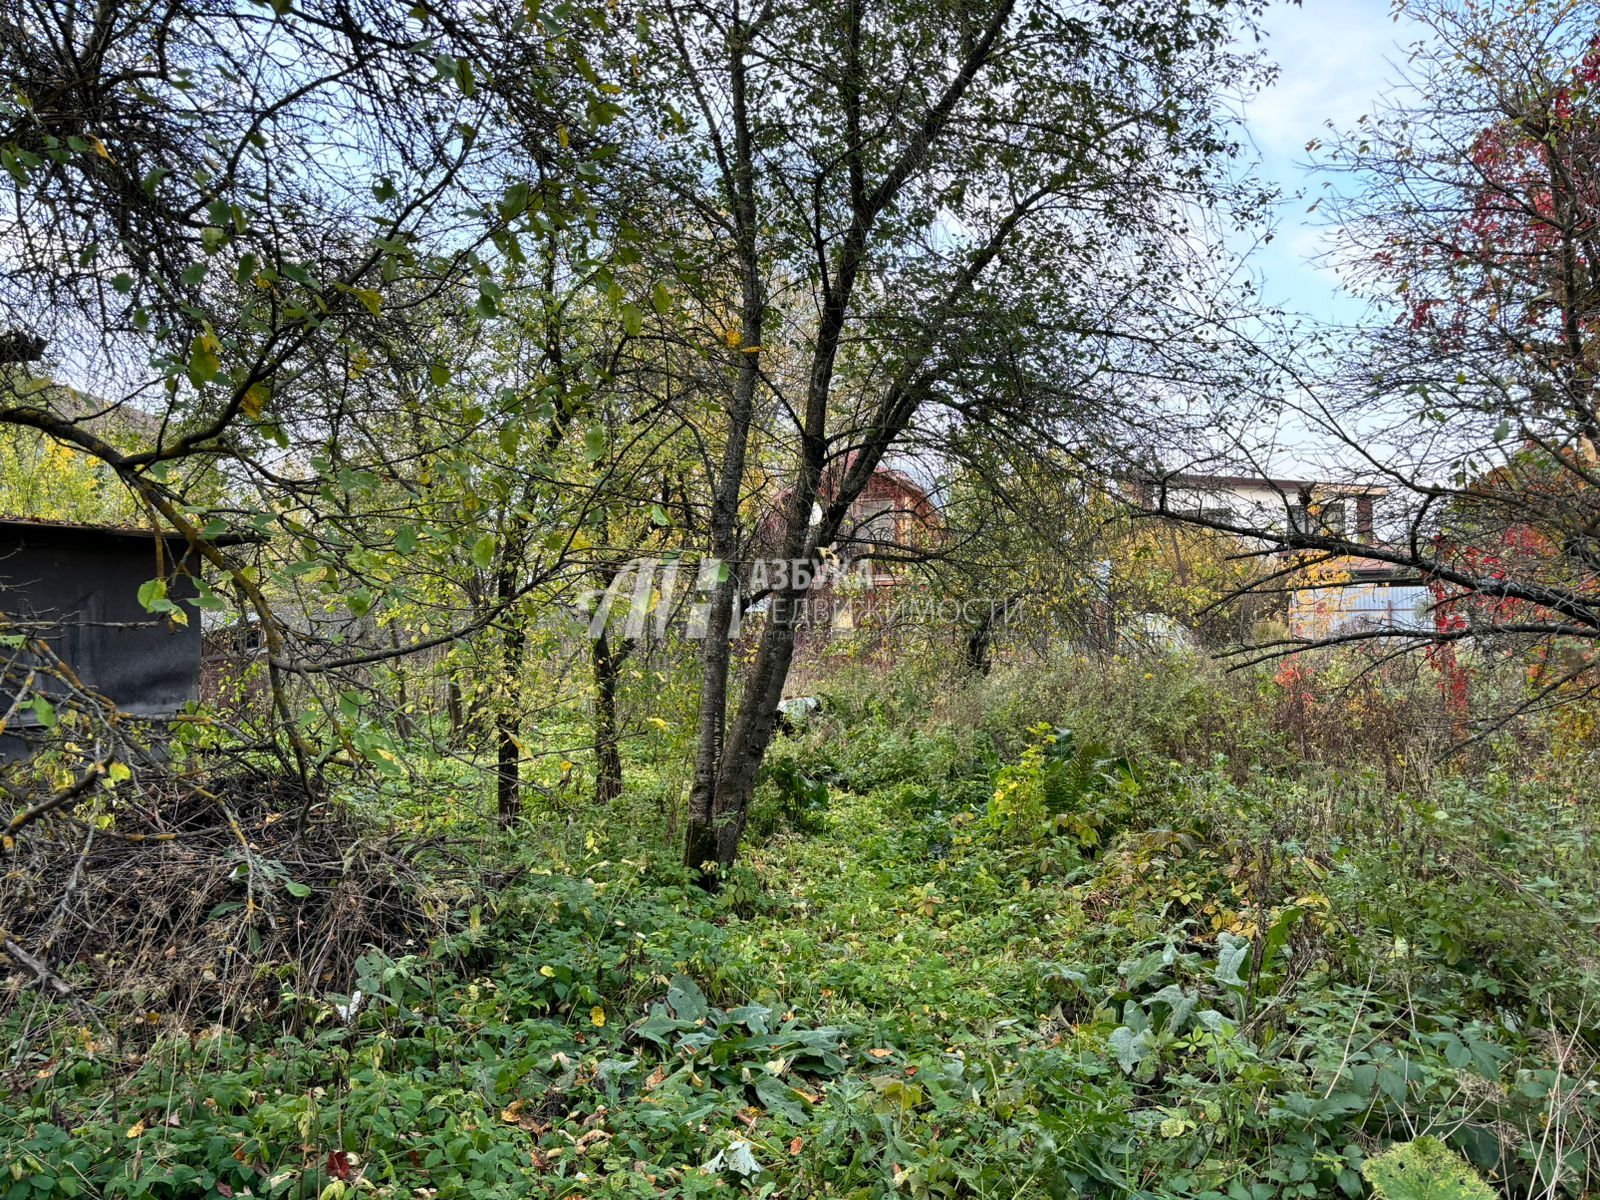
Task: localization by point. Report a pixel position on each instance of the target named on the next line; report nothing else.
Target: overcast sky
(1336, 58)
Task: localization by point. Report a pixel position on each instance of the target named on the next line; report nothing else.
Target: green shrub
(1060, 787)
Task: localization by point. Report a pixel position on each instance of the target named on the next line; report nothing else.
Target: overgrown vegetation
(652, 640)
(1028, 943)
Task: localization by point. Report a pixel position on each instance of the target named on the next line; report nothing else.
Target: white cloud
(1336, 58)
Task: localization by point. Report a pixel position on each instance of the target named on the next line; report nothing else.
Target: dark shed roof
(29, 529)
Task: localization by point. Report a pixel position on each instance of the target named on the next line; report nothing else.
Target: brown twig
(54, 982)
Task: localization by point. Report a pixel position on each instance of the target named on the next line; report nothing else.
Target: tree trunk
(979, 641)
(700, 843)
(452, 701)
(754, 727)
(403, 723)
(725, 773)
(607, 753)
(508, 716)
(508, 769)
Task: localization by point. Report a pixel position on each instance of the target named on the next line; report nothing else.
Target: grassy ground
(966, 956)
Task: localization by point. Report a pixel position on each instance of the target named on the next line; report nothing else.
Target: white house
(1352, 592)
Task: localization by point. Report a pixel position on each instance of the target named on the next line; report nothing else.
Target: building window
(249, 641)
(1328, 518)
(875, 523)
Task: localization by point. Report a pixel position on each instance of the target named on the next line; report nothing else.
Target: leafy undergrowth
(1061, 974)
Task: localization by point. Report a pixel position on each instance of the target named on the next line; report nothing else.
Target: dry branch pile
(203, 905)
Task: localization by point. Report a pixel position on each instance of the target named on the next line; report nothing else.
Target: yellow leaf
(98, 147)
(561, 136)
(597, 1016)
(547, 972)
(254, 401)
(734, 339)
(136, 1130)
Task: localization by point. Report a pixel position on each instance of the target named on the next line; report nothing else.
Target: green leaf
(204, 361)
(515, 201)
(44, 712)
(632, 319)
(207, 600)
(483, 552)
(661, 298)
(1231, 951)
(659, 1027)
(152, 594)
(778, 1097)
(297, 889)
(1425, 1169)
(685, 999)
(1130, 1048)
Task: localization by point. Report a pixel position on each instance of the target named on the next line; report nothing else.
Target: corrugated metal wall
(1365, 606)
(82, 585)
